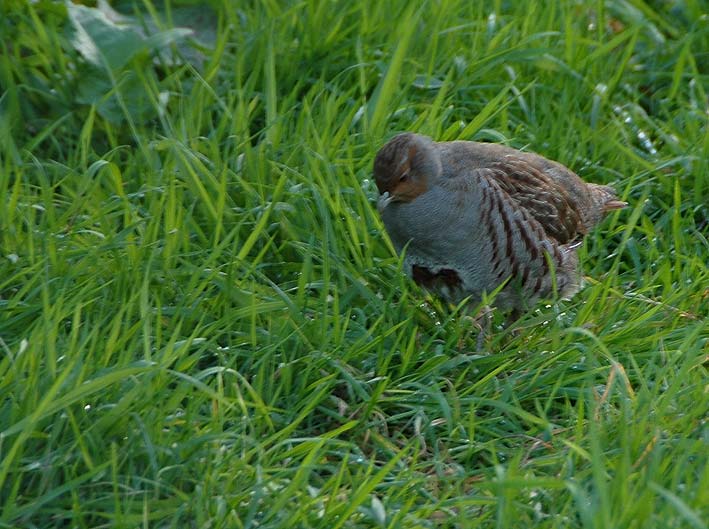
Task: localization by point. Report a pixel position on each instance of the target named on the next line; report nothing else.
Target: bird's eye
(404, 176)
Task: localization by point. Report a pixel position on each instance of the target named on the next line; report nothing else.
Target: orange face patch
(390, 181)
(407, 190)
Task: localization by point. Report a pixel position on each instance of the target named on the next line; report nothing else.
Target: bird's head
(405, 168)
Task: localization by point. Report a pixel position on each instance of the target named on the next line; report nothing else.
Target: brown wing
(543, 194)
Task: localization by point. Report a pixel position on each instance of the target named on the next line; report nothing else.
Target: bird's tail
(605, 198)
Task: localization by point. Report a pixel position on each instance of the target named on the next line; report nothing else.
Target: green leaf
(100, 41)
(106, 44)
(161, 40)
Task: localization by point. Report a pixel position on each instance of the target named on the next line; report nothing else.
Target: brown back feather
(547, 199)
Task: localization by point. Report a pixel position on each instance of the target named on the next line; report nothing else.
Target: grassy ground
(203, 324)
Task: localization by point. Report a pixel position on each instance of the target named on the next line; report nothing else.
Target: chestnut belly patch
(426, 278)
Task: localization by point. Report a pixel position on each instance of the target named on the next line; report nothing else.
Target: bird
(475, 219)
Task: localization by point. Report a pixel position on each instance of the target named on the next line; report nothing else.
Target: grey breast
(438, 227)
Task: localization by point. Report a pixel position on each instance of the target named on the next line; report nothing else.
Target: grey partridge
(472, 217)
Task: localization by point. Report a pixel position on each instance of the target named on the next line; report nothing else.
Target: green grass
(203, 324)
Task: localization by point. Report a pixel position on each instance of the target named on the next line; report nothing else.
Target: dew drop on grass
(460, 64)
(491, 23)
(314, 492)
(358, 115)
(378, 511)
(645, 141)
(163, 98)
(426, 82)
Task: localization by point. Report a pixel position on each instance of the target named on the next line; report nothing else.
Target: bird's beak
(384, 200)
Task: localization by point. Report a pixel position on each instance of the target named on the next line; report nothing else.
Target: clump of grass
(203, 323)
